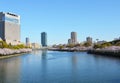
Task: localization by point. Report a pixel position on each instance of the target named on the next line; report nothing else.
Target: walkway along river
(59, 67)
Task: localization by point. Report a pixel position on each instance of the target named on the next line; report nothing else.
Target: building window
(5, 18)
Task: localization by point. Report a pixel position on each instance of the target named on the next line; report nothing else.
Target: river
(59, 67)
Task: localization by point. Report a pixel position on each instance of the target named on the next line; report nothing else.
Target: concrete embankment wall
(115, 53)
(68, 50)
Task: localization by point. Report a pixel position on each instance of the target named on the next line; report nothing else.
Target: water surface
(59, 67)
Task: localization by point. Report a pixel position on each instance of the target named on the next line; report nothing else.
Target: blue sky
(96, 18)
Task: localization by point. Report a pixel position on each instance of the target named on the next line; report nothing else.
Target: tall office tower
(10, 28)
(27, 42)
(74, 37)
(69, 41)
(44, 39)
(89, 40)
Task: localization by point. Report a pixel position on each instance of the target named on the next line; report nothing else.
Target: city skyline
(97, 19)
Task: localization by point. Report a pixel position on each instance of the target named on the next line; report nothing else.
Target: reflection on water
(6, 70)
(59, 67)
(44, 55)
(44, 64)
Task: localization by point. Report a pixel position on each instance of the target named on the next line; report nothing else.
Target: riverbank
(75, 49)
(7, 53)
(9, 56)
(109, 51)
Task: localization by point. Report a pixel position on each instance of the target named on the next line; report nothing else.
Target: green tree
(71, 45)
(97, 46)
(3, 44)
(87, 44)
(117, 44)
(61, 47)
(107, 44)
(78, 45)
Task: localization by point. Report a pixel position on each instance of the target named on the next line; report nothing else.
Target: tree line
(3, 44)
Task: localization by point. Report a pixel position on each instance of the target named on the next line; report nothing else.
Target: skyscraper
(74, 37)
(69, 41)
(27, 42)
(44, 39)
(10, 28)
(89, 40)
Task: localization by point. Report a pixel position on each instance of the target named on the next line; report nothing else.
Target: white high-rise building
(74, 37)
(10, 28)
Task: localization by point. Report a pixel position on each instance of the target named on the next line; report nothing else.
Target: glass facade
(8, 19)
(44, 39)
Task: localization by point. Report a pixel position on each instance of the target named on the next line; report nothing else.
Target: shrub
(117, 44)
(107, 44)
(71, 45)
(3, 44)
(87, 44)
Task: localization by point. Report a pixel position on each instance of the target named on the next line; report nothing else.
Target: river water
(59, 67)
